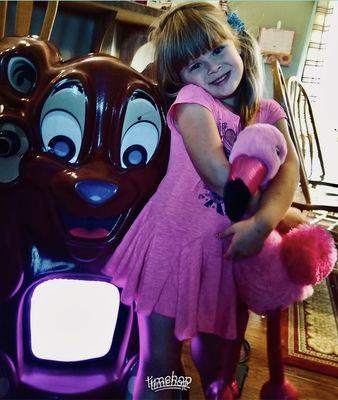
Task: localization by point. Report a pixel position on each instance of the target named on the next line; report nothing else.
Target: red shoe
(217, 391)
(235, 389)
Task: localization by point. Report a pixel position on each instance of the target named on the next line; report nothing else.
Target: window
(321, 81)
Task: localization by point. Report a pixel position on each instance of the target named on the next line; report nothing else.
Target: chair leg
(277, 387)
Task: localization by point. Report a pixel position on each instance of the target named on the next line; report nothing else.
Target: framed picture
(276, 43)
(162, 4)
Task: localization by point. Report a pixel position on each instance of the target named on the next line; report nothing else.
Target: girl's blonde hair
(189, 30)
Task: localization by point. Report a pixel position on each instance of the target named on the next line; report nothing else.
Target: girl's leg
(160, 355)
(207, 352)
(216, 359)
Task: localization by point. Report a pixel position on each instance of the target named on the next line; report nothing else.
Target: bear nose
(95, 192)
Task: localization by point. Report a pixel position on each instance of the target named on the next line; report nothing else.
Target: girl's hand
(248, 237)
(254, 203)
(292, 218)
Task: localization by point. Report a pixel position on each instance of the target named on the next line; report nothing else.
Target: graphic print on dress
(228, 137)
(212, 200)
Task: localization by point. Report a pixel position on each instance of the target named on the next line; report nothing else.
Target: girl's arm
(249, 235)
(198, 128)
(279, 194)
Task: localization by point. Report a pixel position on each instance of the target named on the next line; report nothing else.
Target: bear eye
(62, 120)
(21, 74)
(141, 131)
(277, 150)
(139, 144)
(61, 135)
(63, 147)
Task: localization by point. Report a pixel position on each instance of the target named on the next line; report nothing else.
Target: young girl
(175, 263)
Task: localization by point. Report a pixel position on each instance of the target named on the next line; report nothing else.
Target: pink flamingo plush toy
(289, 264)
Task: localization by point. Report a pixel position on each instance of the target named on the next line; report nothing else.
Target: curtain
(313, 68)
(321, 81)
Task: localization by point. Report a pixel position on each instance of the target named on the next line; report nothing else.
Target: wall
(294, 15)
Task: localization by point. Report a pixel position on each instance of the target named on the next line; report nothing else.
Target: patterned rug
(310, 330)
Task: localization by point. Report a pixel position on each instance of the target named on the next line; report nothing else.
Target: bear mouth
(91, 228)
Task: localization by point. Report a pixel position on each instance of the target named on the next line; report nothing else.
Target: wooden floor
(311, 385)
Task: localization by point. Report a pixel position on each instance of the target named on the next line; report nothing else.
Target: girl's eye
(218, 50)
(194, 67)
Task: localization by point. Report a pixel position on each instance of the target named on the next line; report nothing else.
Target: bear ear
(22, 61)
(20, 73)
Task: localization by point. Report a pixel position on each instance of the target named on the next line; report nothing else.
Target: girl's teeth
(217, 81)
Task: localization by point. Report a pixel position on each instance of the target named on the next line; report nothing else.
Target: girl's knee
(160, 352)
(161, 362)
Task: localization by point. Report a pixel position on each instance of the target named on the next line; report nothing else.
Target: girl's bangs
(195, 44)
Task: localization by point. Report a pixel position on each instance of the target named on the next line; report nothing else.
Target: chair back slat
(23, 17)
(281, 96)
(308, 128)
(24, 11)
(3, 13)
(49, 19)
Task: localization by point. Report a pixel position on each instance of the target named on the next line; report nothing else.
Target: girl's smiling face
(218, 71)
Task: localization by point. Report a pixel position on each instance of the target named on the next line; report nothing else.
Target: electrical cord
(247, 350)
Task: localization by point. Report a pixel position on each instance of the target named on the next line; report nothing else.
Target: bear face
(87, 141)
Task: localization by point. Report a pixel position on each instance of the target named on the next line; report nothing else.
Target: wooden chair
(24, 10)
(316, 194)
(306, 132)
(277, 386)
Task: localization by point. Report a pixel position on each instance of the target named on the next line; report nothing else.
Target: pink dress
(170, 261)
